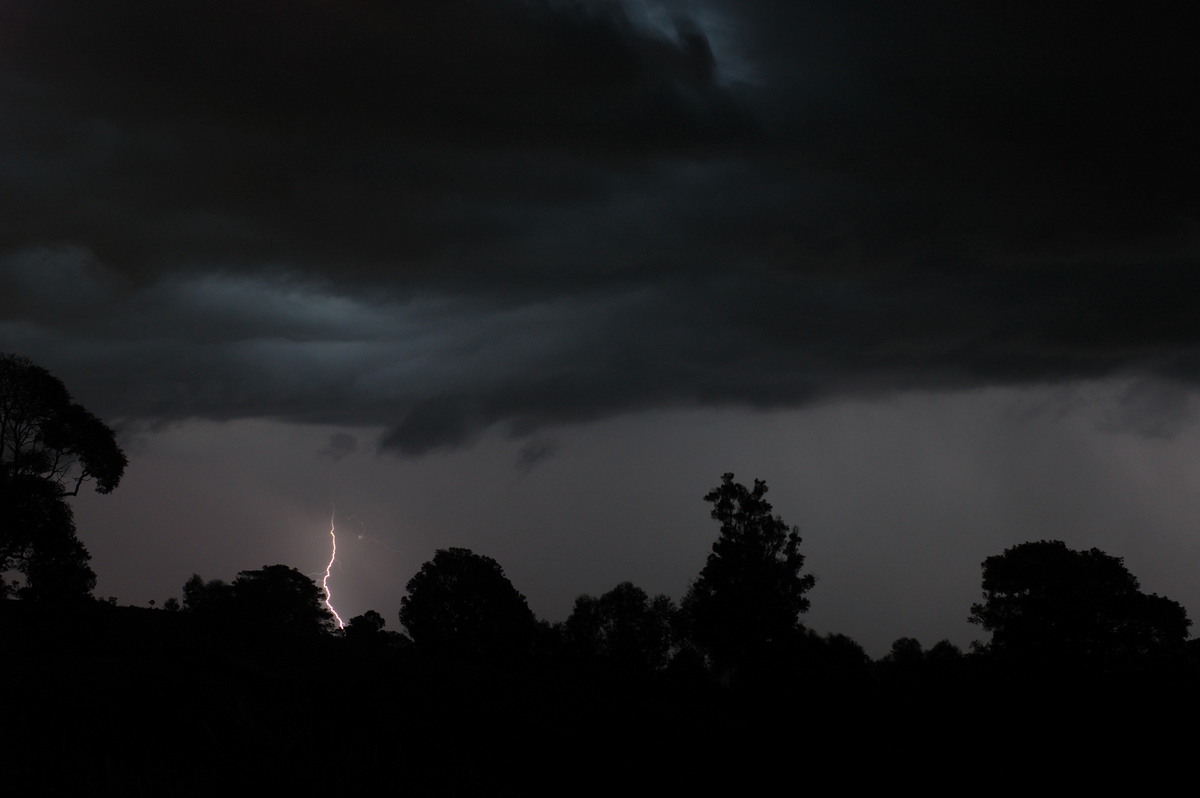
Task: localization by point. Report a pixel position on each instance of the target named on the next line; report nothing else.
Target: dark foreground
(106, 700)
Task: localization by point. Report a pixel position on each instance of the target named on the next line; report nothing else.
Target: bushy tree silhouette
(44, 434)
(280, 598)
(461, 603)
(1045, 603)
(275, 599)
(365, 632)
(206, 598)
(624, 628)
(749, 596)
(49, 447)
(367, 626)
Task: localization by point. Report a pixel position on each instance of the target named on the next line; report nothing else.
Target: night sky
(528, 277)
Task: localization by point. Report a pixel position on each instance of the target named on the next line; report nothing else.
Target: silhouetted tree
(1046, 603)
(38, 539)
(906, 652)
(57, 569)
(462, 603)
(274, 598)
(281, 598)
(837, 656)
(750, 593)
(44, 434)
(366, 632)
(944, 652)
(49, 447)
(207, 598)
(624, 628)
(368, 625)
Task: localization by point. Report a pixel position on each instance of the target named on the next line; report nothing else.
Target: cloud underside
(444, 217)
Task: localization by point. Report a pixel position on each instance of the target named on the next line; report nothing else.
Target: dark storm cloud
(432, 424)
(357, 138)
(1058, 131)
(447, 216)
(340, 445)
(535, 453)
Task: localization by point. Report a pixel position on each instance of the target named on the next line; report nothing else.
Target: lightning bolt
(328, 568)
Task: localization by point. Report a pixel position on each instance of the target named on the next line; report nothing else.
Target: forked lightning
(328, 568)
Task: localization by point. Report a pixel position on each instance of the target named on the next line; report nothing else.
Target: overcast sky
(527, 277)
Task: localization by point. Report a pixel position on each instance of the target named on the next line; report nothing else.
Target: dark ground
(105, 700)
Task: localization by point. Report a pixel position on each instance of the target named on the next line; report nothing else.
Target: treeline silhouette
(250, 682)
(250, 686)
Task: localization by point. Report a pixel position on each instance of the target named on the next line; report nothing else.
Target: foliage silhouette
(57, 569)
(367, 626)
(275, 599)
(910, 671)
(1047, 604)
(49, 447)
(366, 632)
(254, 707)
(748, 598)
(906, 652)
(462, 603)
(43, 433)
(207, 598)
(624, 629)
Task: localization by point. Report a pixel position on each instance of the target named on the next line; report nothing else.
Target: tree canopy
(280, 597)
(623, 628)
(272, 599)
(750, 594)
(1043, 602)
(462, 602)
(45, 434)
(366, 628)
(49, 447)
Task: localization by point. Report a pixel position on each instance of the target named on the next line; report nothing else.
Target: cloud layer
(443, 217)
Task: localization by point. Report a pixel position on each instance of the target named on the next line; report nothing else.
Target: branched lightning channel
(328, 568)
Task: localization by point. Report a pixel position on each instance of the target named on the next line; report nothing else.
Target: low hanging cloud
(340, 446)
(445, 218)
(534, 453)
